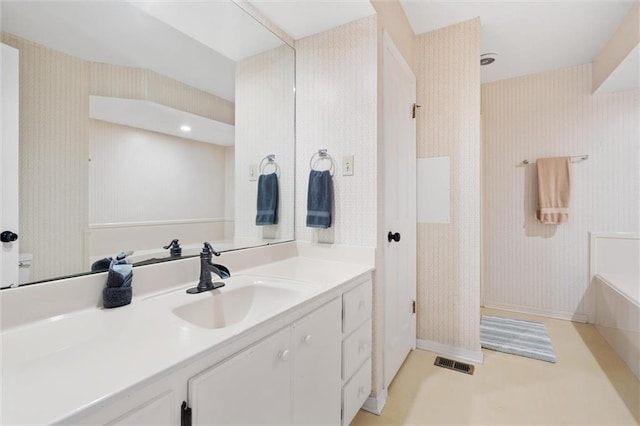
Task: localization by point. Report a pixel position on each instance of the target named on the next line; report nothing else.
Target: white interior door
(399, 168)
(9, 164)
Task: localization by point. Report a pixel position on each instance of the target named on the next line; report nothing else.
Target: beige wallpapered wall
(336, 108)
(448, 73)
(53, 177)
(544, 268)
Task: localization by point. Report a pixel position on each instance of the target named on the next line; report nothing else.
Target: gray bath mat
(518, 337)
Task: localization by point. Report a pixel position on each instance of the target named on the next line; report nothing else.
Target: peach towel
(554, 189)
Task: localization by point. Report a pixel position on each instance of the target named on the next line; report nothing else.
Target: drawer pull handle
(307, 339)
(283, 355)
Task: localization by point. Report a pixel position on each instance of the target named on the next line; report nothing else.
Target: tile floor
(589, 385)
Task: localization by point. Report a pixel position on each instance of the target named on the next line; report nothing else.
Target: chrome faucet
(206, 268)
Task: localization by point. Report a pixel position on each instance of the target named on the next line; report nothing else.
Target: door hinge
(413, 115)
(413, 306)
(185, 414)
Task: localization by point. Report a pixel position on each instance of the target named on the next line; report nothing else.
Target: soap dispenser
(176, 250)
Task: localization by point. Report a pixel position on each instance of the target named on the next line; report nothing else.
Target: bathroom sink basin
(242, 299)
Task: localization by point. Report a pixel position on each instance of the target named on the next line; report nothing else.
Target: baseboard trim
(568, 316)
(375, 404)
(463, 354)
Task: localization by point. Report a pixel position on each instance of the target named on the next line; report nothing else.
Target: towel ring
(269, 160)
(322, 155)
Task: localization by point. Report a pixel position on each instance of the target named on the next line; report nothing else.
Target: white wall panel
(434, 190)
(139, 176)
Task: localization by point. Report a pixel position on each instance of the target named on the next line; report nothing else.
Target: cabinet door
(317, 363)
(253, 387)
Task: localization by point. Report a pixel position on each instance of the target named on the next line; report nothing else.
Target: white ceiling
(302, 18)
(193, 42)
(220, 25)
(529, 37)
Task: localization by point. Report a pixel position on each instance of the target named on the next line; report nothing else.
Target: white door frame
(9, 81)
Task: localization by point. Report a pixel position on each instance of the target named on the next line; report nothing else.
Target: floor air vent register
(453, 365)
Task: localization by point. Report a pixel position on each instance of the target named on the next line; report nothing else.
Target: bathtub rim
(610, 283)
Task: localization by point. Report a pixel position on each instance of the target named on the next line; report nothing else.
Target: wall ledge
(464, 354)
(567, 316)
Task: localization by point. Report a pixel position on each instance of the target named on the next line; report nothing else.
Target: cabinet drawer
(355, 349)
(356, 392)
(356, 306)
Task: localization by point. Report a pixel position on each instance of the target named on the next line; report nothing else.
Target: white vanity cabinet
(311, 366)
(290, 377)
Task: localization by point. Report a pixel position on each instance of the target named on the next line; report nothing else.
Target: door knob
(8, 237)
(393, 237)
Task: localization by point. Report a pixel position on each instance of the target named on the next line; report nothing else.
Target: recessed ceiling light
(185, 128)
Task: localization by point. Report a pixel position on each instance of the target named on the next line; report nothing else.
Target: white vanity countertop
(54, 368)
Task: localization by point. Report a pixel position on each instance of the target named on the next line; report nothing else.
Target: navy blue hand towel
(120, 272)
(319, 199)
(114, 297)
(267, 206)
(118, 291)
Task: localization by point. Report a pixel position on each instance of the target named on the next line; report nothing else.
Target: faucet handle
(176, 250)
(207, 249)
(172, 244)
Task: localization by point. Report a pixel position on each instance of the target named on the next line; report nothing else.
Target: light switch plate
(347, 165)
(253, 172)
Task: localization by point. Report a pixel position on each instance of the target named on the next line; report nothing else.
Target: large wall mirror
(144, 122)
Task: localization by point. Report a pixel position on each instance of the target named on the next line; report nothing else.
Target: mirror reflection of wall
(263, 103)
(104, 166)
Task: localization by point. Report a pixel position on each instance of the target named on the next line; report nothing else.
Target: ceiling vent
(488, 58)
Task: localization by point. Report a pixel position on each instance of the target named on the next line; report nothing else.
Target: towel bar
(574, 159)
(322, 155)
(270, 160)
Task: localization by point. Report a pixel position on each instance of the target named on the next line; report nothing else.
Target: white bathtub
(615, 268)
